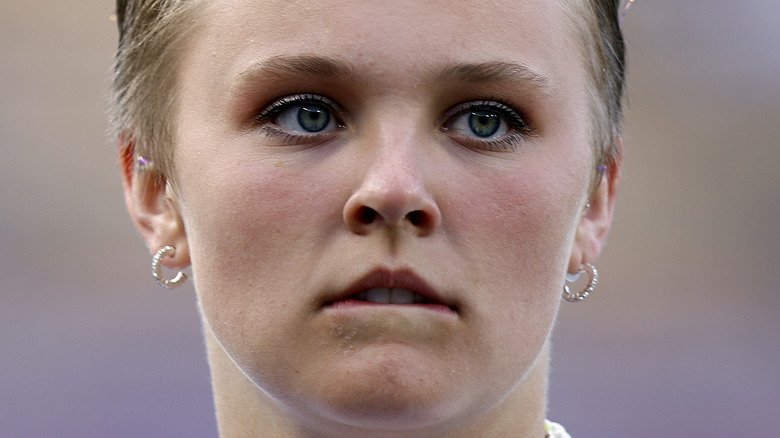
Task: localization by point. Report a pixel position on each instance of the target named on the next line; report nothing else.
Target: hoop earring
(178, 280)
(573, 297)
(142, 163)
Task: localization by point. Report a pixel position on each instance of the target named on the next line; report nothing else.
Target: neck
(244, 410)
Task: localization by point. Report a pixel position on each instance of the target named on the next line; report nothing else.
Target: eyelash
(518, 129)
(265, 119)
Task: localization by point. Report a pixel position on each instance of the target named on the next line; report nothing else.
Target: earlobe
(596, 220)
(150, 203)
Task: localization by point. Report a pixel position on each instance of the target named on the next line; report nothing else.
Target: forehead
(399, 38)
(322, 18)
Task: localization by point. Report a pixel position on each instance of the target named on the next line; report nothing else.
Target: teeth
(401, 296)
(378, 295)
(385, 295)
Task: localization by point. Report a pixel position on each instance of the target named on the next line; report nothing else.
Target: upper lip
(388, 278)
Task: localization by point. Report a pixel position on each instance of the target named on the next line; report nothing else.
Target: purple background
(682, 338)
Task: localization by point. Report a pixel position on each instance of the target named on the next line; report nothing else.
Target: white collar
(555, 430)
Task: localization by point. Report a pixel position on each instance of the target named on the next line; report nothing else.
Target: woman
(380, 201)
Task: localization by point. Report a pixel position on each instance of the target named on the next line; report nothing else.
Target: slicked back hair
(153, 35)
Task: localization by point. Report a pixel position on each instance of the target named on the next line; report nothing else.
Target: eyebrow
(495, 71)
(302, 65)
(326, 67)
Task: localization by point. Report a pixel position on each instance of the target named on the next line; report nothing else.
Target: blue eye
(479, 122)
(310, 118)
(486, 125)
(301, 114)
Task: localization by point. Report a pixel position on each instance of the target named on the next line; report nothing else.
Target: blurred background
(682, 337)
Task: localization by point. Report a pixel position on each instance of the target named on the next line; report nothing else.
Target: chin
(386, 411)
(389, 392)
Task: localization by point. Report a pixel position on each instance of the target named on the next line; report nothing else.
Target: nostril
(366, 215)
(417, 218)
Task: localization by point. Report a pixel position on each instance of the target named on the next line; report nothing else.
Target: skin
(277, 225)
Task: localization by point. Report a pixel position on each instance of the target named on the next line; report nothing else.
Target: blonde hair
(153, 36)
(152, 39)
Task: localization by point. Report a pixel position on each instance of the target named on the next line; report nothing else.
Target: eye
(486, 125)
(481, 123)
(310, 118)
(300, 115)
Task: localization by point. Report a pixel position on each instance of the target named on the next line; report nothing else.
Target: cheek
(518, 219)
(245, 217)
(517, 227)
(257, 209)
(252, 230)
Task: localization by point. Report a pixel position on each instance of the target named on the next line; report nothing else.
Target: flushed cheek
(252, 229)
(259, 209)
(515, 233)
(516, 217)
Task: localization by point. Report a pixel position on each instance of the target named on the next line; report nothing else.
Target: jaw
(383, 407)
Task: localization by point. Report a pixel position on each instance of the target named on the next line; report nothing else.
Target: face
(333, 156)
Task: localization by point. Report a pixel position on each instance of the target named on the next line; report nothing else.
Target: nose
(392, 194)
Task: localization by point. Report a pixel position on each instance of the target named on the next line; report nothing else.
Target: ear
(596, 220)
(152, 208)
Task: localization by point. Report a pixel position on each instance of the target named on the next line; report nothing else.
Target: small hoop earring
(178, 280)
(142, 163)
(573, 297)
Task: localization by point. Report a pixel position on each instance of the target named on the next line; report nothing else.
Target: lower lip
(357, 304)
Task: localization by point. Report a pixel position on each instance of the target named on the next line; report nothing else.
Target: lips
(382, 286)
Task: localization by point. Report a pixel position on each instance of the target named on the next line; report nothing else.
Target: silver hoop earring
(142, 163)
(157, 269)
(573, 297)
